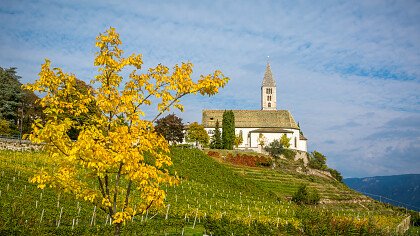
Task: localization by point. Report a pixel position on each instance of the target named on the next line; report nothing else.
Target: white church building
(268, 122)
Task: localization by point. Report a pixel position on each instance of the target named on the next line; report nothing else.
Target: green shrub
(337, 175)
(276, 149)
(415, 218)
(4, 127)
(303, 196)
(324, 223)
(184, 145)
(224, 226)
(288, 153)
(317, 161)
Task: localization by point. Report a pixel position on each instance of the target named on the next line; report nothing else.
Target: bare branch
(169, 105)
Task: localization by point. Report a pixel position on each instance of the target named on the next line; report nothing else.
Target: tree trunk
(117, 230)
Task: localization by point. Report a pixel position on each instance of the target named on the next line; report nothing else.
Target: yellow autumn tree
(118, 161)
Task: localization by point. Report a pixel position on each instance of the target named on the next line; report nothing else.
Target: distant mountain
(399, 190)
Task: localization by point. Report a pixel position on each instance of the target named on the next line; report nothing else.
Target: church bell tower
(268, 90)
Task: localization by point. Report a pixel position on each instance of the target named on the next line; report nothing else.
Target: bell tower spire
(268, 90)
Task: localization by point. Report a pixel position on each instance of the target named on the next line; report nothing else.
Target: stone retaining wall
(18, 145)
(403, 226)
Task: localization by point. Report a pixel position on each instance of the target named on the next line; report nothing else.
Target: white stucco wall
(303, 145)
(250, 140)
(264, 96)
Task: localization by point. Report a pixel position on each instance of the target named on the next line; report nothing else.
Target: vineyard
(213, 197)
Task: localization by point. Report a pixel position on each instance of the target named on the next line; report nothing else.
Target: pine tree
(216, 140)
(228, 130)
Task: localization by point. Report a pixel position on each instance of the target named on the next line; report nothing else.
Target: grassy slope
(208, 188)
(283, 181)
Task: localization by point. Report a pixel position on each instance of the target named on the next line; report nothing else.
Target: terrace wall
(18, 145)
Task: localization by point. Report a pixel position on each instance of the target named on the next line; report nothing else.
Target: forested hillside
(399, 190)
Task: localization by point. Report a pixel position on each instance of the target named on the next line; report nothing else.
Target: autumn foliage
(111, 148)
(243, 159)
(248, 160)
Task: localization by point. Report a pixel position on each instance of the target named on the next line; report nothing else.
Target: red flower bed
(213, 154)
(248, 160)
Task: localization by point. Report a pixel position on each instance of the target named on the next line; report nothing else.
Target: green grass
(253, 200)
(284, 181)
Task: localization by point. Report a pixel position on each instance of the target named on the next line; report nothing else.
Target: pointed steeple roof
(268, 80)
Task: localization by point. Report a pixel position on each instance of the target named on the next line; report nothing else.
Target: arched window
(269, 104)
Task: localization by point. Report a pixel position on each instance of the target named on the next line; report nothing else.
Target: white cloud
(339, 66)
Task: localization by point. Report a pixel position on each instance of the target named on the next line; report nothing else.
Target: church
(267, 124)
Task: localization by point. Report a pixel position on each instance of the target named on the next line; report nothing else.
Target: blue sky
(349, 71)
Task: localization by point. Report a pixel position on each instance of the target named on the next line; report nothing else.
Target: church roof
(301, 137)
(268, 80)
(252, 119)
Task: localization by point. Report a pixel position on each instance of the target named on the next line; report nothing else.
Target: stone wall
(18, 145)
(300, 155)
(303, 156)
(403, 226)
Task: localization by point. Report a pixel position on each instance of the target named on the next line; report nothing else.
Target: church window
(268, 98)
(210, 131)
(269, 104)
(295, 142)
(211, 118)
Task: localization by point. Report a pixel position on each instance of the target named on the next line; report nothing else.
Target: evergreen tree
(17, 106)
(216, 140)
(228, 130)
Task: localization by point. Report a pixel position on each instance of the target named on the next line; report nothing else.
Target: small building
(266, 124)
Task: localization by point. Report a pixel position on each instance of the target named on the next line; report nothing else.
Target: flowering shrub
(214, 154)
(248, 160)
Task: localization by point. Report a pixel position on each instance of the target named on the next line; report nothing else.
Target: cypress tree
(216, 140)
(228, 130)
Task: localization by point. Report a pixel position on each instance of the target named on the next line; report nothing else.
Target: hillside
(213, 197)
(399, 190)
